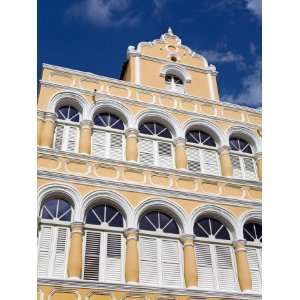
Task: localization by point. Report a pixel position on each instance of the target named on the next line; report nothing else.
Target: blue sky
(93, 36)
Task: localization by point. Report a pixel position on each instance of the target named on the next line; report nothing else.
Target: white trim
(175, 69)
(211, 87)
(66, 190)
(164, 205)
(105, 196)
(137, 70)
(219, 213)
(253, 215)
(64, 290)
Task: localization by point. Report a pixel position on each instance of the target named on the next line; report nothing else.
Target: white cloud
(251, 93)
(215, 57)
(255, 7)
(104, 12)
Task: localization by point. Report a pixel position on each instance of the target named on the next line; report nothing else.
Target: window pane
(99, 121)
(199, 232)
(248, 149)
(223, 234)
(215, 225)
(52, 206)
(110, 212)
(45, 214)
(66, 217)
(63, 113)
(117, 221)
(118, 125)
(258, 229)
(234, 144)
(63, 206)
(164, 219)
(153, 217)
(172, 228)
(205, 224)
(145, 225)
(147, 128)
(193, 136)
(91, 218)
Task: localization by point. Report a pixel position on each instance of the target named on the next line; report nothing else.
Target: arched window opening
(243, 163)
(104, 245)
(215, 255)
(108, 136)
(66, 136)
(202, 155)
(54, 238)
(253, 236)
(160, 250)
(155, 149)
(174, 83)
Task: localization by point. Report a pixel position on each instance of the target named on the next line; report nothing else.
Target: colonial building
(149, 187)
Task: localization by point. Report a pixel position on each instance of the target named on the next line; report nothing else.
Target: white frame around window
(174, 87)
(201, 148)
(155, 153)
(107, 131)
(53, 262)
(65, 137)
(158, 266)
(242, 173)
(104, 230)
(214, 273)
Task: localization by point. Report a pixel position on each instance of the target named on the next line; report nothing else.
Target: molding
(50, 116)
(176, 69)
(253, 215)
(86, 124)
(151, 105)
(258, 155)
(41, 114)
(131, 84)
(137, 288)
(179, 141)
(161, 192)
(223, 149)
(77, 227)
(124, 163)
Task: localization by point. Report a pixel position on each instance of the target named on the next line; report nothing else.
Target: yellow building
(149, 187)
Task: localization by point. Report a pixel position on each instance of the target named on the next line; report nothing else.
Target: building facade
(149, 187)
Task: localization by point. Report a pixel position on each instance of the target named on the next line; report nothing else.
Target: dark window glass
(98, 120)
(108, 120)
(110, 212)
(253, 232)
(146, 225)
(63, 113)
(46, 215)
(223, 234)
(51, 206)
(117, 221)
(68, 113)
(91, 218)
(66, 216)
(210, 227)
(147, 128)
(56, 209)
(172, 228)
(164, 219)
(248, 149)
(155, 129)
(200, 137)
(198, 231)
(238, 144)
(215, 225)
(63, 207)
(193, 136)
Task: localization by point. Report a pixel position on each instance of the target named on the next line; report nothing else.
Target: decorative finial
(170, 30)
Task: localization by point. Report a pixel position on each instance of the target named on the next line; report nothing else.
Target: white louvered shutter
(146, 155)
(45, 250)
(164, 155)
(60, 255)
(254, 264)
(116, 146)
(99, 144)
(113, 261)
(210, 162)
(170, 263)
(193, 158)
(59, 137)
(92, 255)
(249, 168)
(225, 268)
(205, 266)
(236, 166)
(148, 260)
(71, 135)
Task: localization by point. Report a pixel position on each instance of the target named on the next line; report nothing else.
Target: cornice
(151, 105)
(142, 87)
(138, 288)
(162, 192)
(176, 172)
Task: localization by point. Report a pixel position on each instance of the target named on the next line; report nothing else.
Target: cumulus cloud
(224, 57)
(255, 7)
(252, 86)
(104, 12)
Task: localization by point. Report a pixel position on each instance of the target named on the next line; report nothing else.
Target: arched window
(201, 152)
(215, 255)
(253, 237)
(243, 163)
(160, 250)
(108, 136)
(54, 236)
(174, 83)
(104, 245)
(155, 147)
(66, 136)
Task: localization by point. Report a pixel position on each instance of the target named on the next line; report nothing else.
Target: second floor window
(243, 163)
(108, 136)
(201, 153)
(67, 129)
(155, 145)
(174, 83)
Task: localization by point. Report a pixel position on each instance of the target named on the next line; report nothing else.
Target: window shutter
(148, 260)
(210, 162)
(45, 250)
(116, 146)
(113, 266)
(71, 139)
(254, 264)
(92, 255)
(225, 268)
(249, 167)
(205, 266)
(193, 158)
(146, 152)
(164, 155)
(171, 267)
(59, 135)
(99, 144)
(236, 166)
(60, 258)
